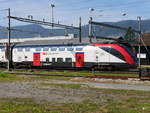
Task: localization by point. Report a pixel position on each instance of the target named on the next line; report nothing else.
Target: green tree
(130, 35)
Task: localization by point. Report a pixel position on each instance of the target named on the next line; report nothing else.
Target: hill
(32, 30)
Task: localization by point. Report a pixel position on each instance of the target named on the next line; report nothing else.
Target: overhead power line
(43, 23)
(49, 24)
(112, 26)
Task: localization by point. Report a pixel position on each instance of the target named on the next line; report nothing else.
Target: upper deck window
(45, 48)
(54, 49)
(27, 49)
(79, 49)
(70, 49)
(20, 49)
(62, 49)
(38, 49)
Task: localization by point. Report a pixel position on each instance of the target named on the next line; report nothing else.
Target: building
(144, 49)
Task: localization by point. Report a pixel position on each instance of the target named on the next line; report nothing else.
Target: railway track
(121, 74)
(35, 74)
(97, 74)
(133, 71)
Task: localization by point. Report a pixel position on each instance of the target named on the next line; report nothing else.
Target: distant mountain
(32, 30)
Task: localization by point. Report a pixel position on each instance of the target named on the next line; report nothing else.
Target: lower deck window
(53, 60)
(59, 60)
(47, 60)
(68, 59)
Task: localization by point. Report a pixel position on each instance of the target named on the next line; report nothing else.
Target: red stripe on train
(120, 49)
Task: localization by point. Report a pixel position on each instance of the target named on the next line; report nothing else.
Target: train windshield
(130, 52)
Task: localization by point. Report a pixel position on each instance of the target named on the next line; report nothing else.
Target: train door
(79, 60)
(36, 59)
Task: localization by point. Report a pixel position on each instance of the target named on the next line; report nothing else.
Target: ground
(32, 94)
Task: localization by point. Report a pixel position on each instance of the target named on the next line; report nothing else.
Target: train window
(47, 60)
(113, 52)
(45, 49)
(53, 60)
(20, 49)
(38, 49)
(68, 59)
(53, 49)
(59, 60)
(79, 49)
(69, 49)
(61, 49)
(27, 49)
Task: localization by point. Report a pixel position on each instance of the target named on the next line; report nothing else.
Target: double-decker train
(92, 55)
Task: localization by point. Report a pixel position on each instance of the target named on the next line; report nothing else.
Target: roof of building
(146, 39)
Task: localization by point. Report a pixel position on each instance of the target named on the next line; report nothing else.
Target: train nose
(135, 60)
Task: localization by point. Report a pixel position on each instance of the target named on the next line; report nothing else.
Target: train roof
(73, 41)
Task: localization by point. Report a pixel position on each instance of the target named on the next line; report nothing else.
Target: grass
(85, 74)
(96, 100)
(126, 101)
(18, 105)
(6, 77)
(73, 86)
(31, 78)
(114, 101)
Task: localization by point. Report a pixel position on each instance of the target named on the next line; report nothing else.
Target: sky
(68, 11)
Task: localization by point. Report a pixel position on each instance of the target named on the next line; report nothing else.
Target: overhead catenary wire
(42, 23)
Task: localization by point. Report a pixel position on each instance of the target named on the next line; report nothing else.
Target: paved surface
(121, 84)
(41, 93)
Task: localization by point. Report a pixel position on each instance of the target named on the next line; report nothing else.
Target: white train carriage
(73, 56)
(3, 59)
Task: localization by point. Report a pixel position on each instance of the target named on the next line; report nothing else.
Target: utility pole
(80, 30)
(139, 48)
(8, 45)
(52, 5)
(90, 29)
(90, 23)
(139, 41)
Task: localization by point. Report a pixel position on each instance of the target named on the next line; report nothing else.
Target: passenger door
(79, 60)
(36, 59)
